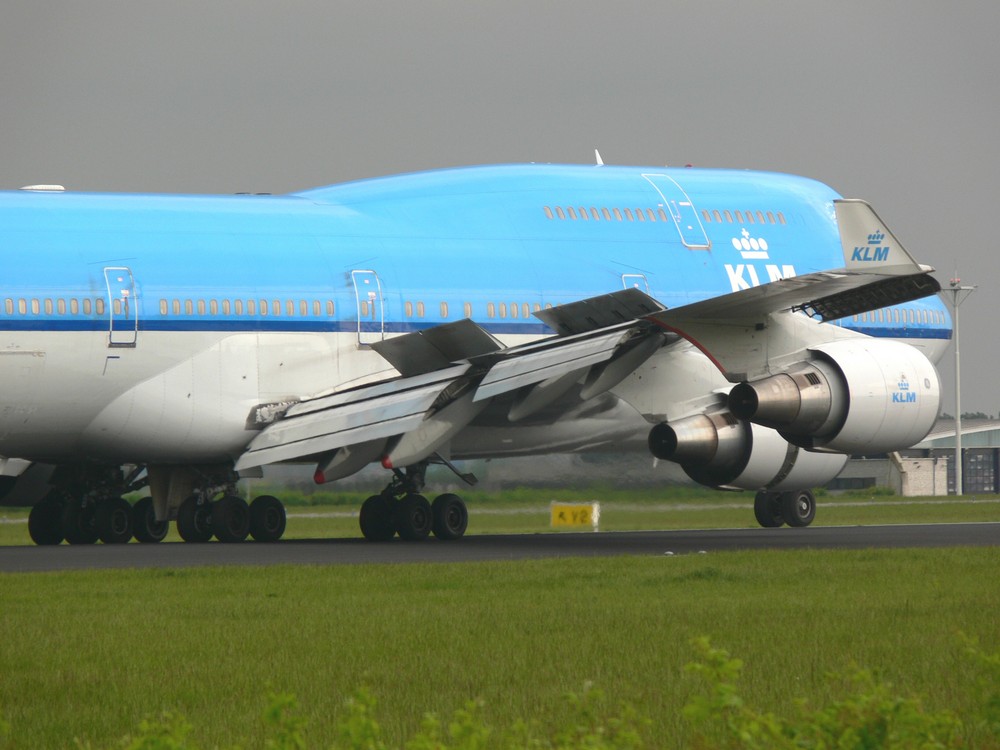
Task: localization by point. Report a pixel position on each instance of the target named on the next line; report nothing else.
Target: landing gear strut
(401, 509)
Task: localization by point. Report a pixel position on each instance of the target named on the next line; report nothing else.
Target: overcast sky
(893, 102)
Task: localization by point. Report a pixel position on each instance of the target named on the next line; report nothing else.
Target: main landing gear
(86, 506)
(774, 509)
(401, 509)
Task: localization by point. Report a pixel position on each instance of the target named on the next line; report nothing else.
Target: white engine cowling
(718, 450)
(853, 396)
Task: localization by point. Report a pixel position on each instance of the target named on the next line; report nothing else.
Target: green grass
(88, 654)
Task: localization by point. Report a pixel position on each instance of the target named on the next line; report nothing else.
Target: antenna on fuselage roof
(597, 155)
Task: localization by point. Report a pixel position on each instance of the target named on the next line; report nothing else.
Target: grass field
(88, 655)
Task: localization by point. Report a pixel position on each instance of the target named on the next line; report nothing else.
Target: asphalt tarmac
(499, 547)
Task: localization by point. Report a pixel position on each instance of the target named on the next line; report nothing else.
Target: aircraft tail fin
(869, 245)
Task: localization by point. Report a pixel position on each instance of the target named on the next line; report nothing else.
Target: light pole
(958, 294)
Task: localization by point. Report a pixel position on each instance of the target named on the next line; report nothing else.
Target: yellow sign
(575, 515)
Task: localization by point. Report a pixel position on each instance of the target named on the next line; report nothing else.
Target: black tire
(267, 519)
(79, 526)
(798, 508)
(45, 522)
(230, 519)
(194, 520)
(376, 520)
(144, 524)
(451, 517)
(413, 518)
(767, 509)
(113, 521)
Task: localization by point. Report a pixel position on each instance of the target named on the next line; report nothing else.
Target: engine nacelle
(719, 450)
(853, 396)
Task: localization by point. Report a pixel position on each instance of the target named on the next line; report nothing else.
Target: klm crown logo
(874, 251)
(903, 394)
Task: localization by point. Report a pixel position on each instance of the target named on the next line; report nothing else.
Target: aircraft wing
(450, 373)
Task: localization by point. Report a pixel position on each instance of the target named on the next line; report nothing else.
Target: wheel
(144, 524)
(412, 518)
(45, 522)
(113, 521)
(194, 520)
(798, 508)
(376, 520)
(79, 525)
(267, 519)
(450, 517)
(767, 509)
(230, 519)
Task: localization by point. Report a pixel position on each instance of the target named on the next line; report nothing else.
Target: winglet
(868, 244)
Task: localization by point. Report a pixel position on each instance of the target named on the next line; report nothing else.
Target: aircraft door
(677, 203)
(371, 306)
(123, 307)
(635, 281)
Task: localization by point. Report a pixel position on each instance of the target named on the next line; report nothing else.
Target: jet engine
(718, 450)
(852, 396)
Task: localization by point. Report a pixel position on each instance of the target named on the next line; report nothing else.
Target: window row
(895, 315)
(250, 307)
(59, 306)
(493, 309)
(743, 217)
(607, 214)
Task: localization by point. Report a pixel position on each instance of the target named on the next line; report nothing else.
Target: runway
(489, 547)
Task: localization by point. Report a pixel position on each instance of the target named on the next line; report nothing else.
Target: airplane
(756, 328)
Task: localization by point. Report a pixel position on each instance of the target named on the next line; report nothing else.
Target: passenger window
(263, 308)
(606, 214)
(188, 307)
(116, 305)
(276, 307)
(420, 309)
(467, 309)
(35, 308)
(226, 308)
(86, 306)
(303, 308)
(650, 214)
(548, 212)
(640, 215)
(164, 308)
(770, 218)
(74, 306)
(48, 305)
(526, 310)
(729, 217)
(491, 310)
(503, 309)
(329, 308)
(593, 212)
(408, 309)
(760, 217)
(317, 308)
(662, 214)
(583, 214)
(781, 218)
(201, 307)
(9, 306)
(706, 216)
(739, 217)
(618, 214)
(750, 217)
(213, 307)
(717, 215)
(99, 306)
(514, 310)
(364, 308)
(560, 213)
(238, 307)
(572, 212)
(444, 309)
(251, 308)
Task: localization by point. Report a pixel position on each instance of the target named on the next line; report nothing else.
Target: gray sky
(893, 102)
